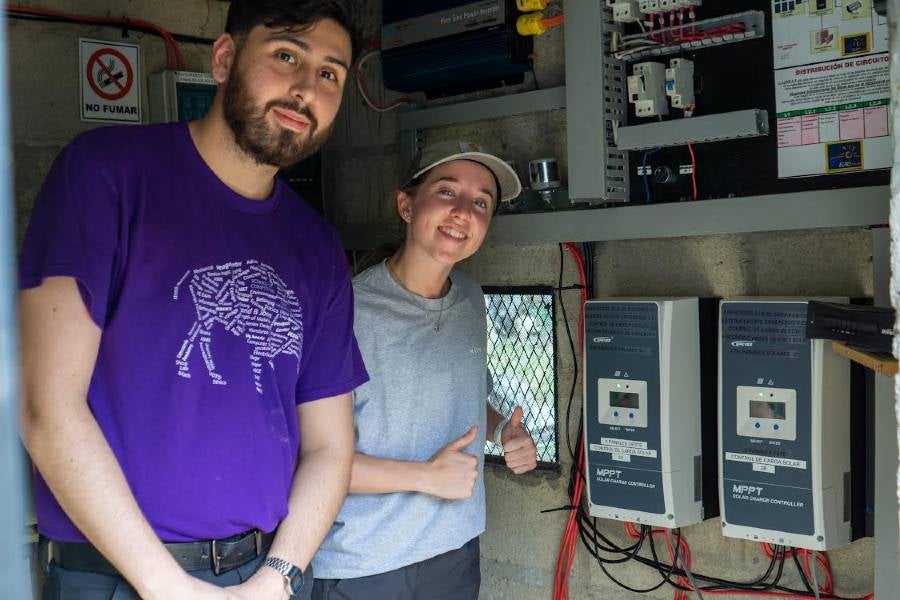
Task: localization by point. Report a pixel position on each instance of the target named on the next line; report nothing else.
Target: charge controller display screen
(761, 409)
(624, 400)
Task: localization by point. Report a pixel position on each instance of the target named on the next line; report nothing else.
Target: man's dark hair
(244, 15)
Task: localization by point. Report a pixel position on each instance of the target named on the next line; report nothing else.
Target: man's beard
(257, 138)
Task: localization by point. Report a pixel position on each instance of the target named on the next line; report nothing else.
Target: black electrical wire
(565, 316)
(667, 574)
(806, 583)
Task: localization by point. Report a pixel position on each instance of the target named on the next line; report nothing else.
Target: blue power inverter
(445, 47)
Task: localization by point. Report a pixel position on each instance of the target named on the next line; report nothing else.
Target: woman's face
(448, 214)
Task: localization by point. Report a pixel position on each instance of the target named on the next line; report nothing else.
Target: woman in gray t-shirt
(409, 528)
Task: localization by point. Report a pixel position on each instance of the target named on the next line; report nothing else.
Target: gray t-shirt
(426, 389)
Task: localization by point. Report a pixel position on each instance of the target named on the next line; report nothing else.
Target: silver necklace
(437, 326)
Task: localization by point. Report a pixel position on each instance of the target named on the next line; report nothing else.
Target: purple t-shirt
(220, 314)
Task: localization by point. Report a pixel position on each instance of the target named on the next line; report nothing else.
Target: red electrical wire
(569, 542)
(822, 562)
(173, 50)
(364, 88)
(693, 170)
(685, 558)
(551, 22)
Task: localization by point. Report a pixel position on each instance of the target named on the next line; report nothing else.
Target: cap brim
(510, 186)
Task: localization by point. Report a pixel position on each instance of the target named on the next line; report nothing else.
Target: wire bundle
(174, 55)
(576, 484)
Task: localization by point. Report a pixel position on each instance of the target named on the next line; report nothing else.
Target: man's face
(284, 90)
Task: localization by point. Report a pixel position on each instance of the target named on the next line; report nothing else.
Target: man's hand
(452, 473)
(191, 588)
(265, 584)
(519, 450)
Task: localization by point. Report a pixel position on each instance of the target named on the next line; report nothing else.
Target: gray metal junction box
(642, 410)
(784, 428)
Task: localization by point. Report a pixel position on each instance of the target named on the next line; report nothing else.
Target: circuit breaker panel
(784, 415)
(642, 411)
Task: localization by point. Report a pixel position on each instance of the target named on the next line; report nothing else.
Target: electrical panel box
(642, 429)
(180, 95)
(784, 428)
(647, 89)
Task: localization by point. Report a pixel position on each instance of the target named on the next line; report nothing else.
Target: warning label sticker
(110, 81)
(772, 461)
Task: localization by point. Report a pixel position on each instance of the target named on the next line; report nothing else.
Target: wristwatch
(293, 576)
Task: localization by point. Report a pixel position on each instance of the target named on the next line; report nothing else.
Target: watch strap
(291, 573)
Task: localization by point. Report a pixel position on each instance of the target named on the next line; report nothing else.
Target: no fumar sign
(110, 81)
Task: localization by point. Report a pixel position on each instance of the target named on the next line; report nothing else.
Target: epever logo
(603, 340)
(742, 344)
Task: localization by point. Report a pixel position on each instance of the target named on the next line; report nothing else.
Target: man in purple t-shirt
(187, 333)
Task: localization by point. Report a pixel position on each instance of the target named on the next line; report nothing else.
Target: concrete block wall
(45, 70)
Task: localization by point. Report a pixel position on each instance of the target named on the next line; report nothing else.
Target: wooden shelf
(880, 363)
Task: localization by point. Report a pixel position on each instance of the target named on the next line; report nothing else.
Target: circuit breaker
(625, 11)
(680, 83)
(784, 414)
(647, 89)
(642, 410)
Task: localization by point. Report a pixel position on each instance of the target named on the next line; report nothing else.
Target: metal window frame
(14, 566)
(525, 290)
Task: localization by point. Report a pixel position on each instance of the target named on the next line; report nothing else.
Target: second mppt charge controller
(642, 411)
(784, 456)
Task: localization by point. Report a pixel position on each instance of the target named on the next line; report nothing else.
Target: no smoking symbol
(109, 74)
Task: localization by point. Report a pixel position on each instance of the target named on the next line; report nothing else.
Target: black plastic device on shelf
(446, 47)
(869, 328)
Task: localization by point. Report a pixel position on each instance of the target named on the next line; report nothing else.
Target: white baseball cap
(444, 152)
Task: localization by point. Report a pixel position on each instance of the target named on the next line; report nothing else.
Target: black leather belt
(219, 555)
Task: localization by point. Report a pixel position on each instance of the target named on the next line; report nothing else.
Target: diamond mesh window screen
(521, 332)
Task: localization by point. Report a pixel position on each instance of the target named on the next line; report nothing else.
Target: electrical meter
(642, 410)
(784, 428)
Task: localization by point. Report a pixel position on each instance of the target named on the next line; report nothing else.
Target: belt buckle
(216, 561)
(257, 537)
